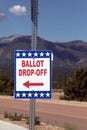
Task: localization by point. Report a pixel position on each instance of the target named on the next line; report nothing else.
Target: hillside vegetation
(6, 85)
(76, 87)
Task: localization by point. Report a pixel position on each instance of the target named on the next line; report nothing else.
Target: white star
(47, 54)
(29, 54)
(35, 54)
(41, 54)
(41, 95)
(35, 95)
(30, 95)
(18, 95)
(17, 54)
(24, 54)
(24, 95)
(47, 94)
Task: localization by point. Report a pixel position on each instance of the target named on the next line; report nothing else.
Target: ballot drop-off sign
(32, 74)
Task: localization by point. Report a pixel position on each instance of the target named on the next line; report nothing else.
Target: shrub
(14, 117)
(6, 115)
(27, 120)
(76, 87)
(37, 120)
(6, 85)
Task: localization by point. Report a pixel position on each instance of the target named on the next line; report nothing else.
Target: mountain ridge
(66, 54)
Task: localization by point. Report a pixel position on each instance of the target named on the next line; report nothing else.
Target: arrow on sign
(28, 84)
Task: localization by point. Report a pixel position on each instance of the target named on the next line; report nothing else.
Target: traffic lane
(61, 120)
(49, 113)
(57, 114)
(56, 108)
(12, 106)
(53, 107)
(61, 108)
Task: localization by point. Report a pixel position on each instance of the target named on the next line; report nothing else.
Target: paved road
(57, 114)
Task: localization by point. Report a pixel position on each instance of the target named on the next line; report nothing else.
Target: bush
(27, 120)
(37, 120)
(14, 117)
(62, 97)
(76, 87)
(6, 115)
(6, 85)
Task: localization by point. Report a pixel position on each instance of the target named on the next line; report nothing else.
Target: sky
(58, 20)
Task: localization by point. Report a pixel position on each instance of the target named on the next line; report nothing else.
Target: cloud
(2, 16)
(18, 10)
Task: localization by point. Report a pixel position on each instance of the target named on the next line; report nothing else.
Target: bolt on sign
(32, 74)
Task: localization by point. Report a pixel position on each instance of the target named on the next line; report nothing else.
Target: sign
(33, 74)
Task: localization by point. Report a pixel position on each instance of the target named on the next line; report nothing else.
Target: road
(53, 113)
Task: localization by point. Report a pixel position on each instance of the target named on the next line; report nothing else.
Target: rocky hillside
(69, 54)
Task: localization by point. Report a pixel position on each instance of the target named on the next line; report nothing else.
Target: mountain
(71, 54)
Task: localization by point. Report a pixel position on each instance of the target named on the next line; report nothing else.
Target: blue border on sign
(32, 94)
(33, 54)
(14, 74)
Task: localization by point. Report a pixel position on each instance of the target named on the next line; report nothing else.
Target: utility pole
(34, 19)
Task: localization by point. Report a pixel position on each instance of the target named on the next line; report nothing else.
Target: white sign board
(33, 74)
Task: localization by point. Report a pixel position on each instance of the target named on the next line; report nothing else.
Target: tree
(6, 85)
(76, 87)
(9, 89)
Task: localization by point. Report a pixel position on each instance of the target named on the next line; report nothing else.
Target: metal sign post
(33, 70)
(34, 19)
(32, 114)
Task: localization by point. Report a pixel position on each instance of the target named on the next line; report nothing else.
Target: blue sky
(59, 20)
